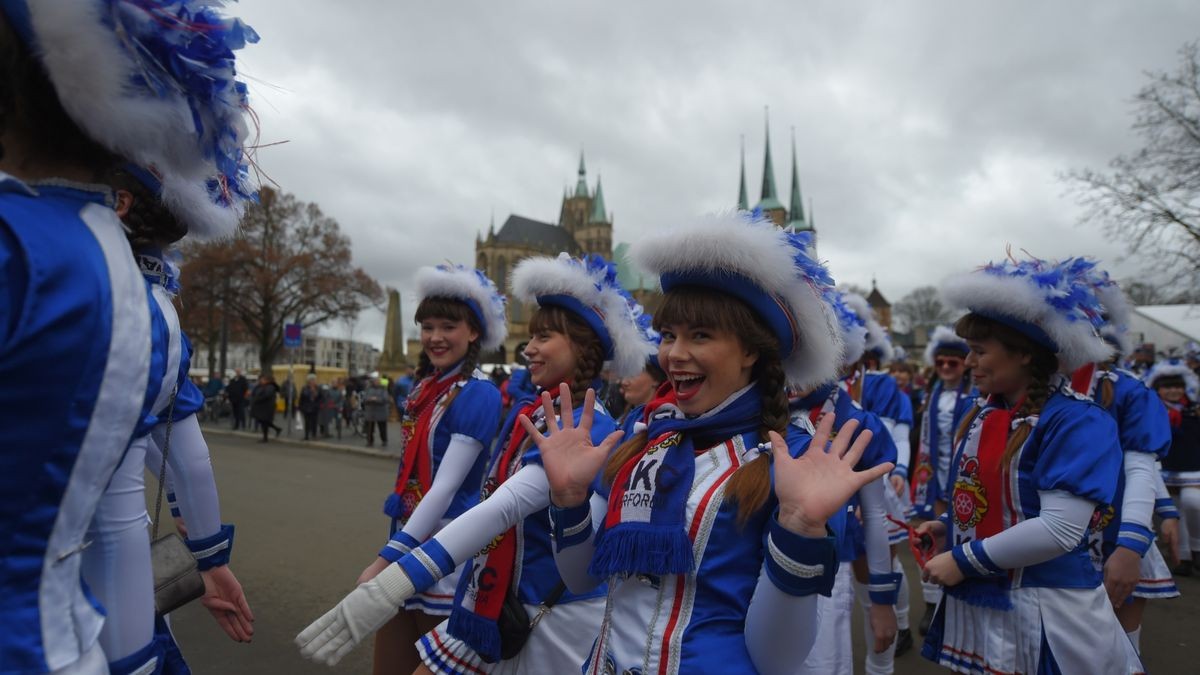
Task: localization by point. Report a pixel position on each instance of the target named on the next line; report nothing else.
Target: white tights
(116, 566)
(1189, 521)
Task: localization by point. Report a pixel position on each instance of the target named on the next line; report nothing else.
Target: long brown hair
(750, 485)
(451, 310)
(1041, 367)
(148, 222)
(585, 344)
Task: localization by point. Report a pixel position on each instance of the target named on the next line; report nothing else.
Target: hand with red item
(224, 599)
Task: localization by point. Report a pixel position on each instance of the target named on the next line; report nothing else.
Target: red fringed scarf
(491, 570)
(978, 499)
(416, 465)
(1081, 380)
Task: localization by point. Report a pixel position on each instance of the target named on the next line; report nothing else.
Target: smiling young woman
(694, 496)
(449, 422)
(1032, 464)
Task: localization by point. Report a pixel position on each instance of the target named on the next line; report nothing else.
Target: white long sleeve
(522, 495)
(190, 475)
(1137, 504)
(459, 458)
(1058, 528)
(572, 561)
(900, 433)
(1160, 486)
(780, 628)
(875, 530)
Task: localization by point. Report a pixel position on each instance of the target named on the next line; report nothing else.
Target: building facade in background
(584, 226)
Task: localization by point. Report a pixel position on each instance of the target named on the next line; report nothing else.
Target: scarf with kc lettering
(645, 531)
(486, 580)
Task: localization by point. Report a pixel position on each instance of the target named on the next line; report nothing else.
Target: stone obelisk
(392, 358)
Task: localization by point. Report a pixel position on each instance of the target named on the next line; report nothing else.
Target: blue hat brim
(771, 309)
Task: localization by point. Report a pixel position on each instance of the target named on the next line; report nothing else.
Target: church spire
(770, 205)
(743, 204)
(581, 188)
(768, 181)
(796, 219)
(599, 214)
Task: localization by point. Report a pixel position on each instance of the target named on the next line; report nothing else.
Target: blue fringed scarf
(645, 531)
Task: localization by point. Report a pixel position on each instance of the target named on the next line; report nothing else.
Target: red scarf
(502, 552)
(416, 465)
(1175, 412)
(978, 498)
(1081, 380)
(979, 489)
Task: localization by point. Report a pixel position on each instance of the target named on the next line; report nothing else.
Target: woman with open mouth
(448, 427)
(583, 319)
(714, 542)
(1032, 465)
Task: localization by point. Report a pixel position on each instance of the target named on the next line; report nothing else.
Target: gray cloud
(930, 135)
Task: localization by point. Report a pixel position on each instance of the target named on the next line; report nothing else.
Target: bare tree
(290, 264)
(921, 308)
(1150, 200)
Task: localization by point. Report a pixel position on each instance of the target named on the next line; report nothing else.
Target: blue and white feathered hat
(878, 342)
(1175, 367)
(588, 288)
(944, 337)
(472, 288)
(1117, 311)
(154, 82)
(645, 324)
(770, 270)
(853, 327)
(1051, 303)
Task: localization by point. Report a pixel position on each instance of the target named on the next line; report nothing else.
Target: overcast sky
(929, 134)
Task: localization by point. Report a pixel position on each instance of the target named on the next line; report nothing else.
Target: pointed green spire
(581, 188)
(770, 198)
(743, 204)
(599, 214)
(796, 219)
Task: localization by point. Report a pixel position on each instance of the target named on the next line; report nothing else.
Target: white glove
(359, 614)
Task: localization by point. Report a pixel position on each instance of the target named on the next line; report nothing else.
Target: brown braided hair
(750, 485)
(1043, 364)
(148, 223)
(450, 309)
(585, 344)
(1105, 395)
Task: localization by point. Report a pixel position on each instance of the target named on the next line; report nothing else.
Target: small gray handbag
(177, 579)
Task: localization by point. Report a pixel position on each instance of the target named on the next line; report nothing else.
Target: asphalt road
(308, 522)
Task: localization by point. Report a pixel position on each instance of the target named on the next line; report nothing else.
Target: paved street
(308, 521)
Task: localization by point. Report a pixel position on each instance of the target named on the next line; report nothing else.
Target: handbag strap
(162, 471)
(548, 603)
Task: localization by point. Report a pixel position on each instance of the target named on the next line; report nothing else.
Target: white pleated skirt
(1076, 626)
(558, 644)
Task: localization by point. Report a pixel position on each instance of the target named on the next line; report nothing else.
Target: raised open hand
(817, 484)
(568, 456)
